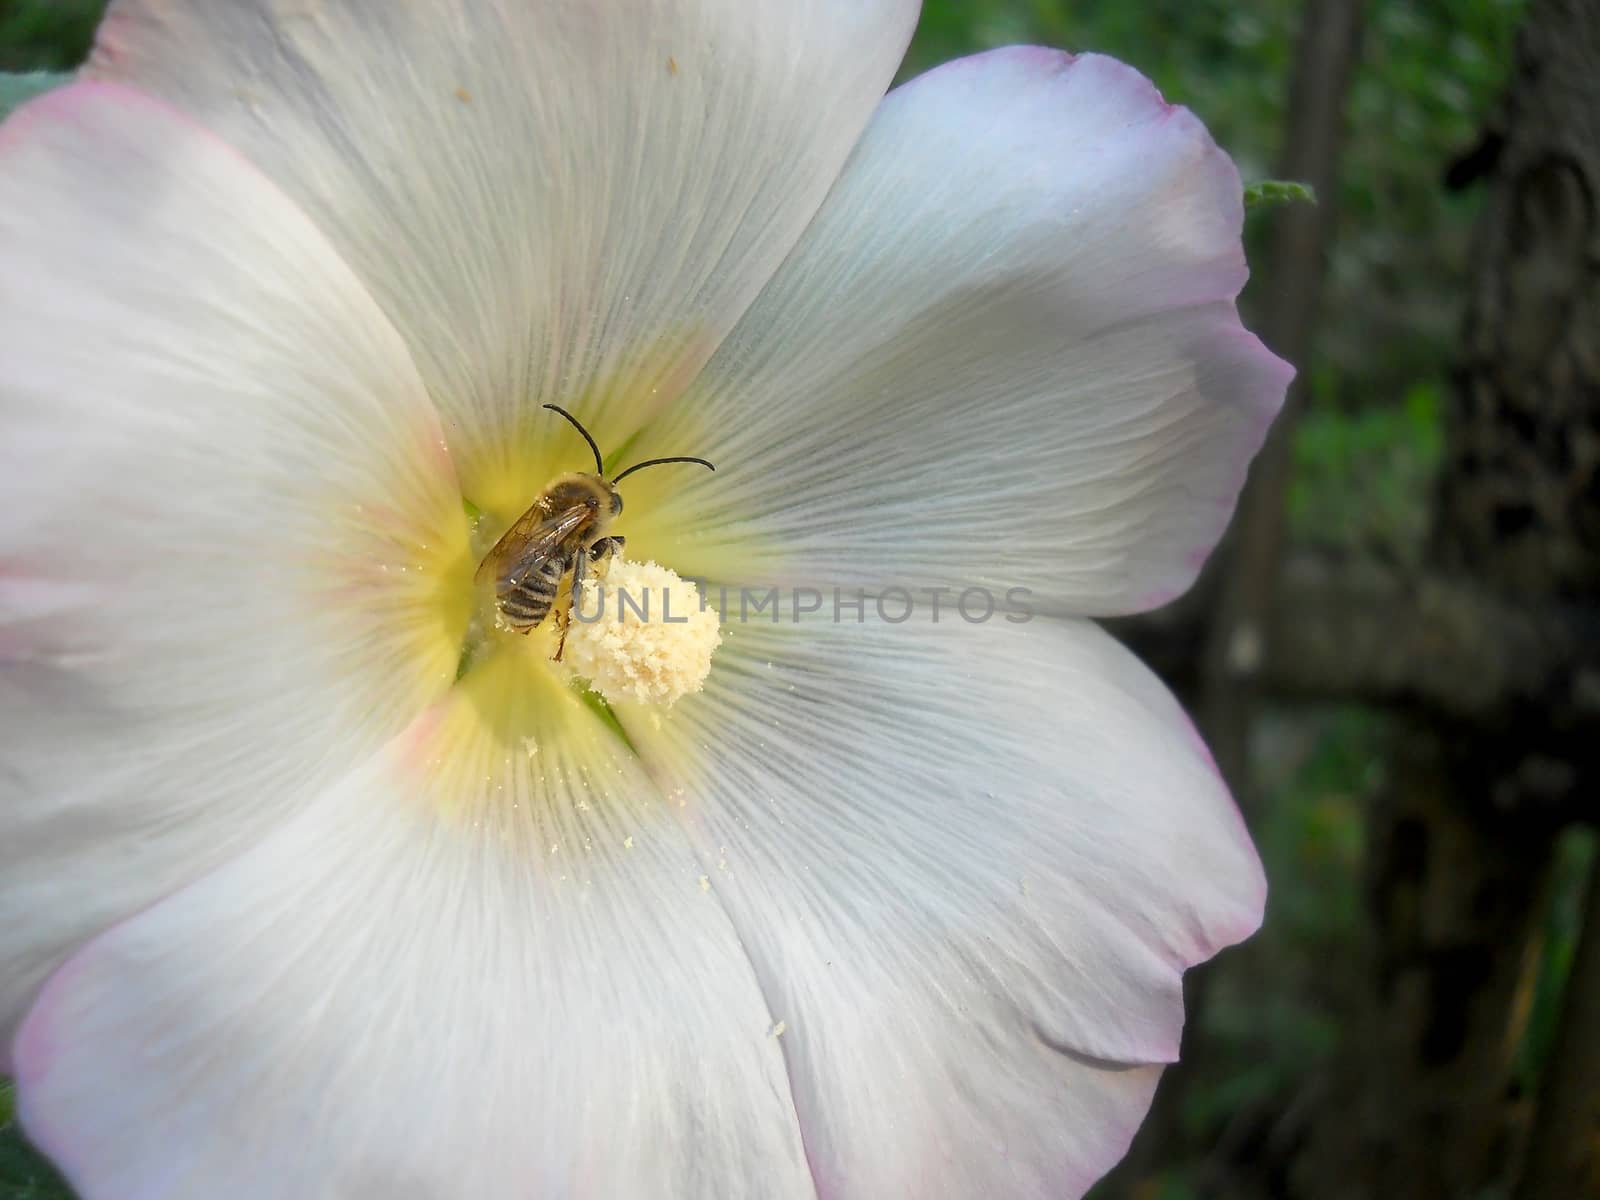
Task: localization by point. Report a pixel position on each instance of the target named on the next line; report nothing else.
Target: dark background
(1394, 656)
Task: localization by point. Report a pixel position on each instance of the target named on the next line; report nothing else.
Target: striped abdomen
(526, 602)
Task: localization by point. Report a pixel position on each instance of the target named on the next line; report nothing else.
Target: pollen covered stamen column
(641, 635)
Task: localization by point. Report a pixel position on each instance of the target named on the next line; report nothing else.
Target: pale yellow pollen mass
(641, 635)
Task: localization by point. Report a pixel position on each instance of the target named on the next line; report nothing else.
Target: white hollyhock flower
(291, 910)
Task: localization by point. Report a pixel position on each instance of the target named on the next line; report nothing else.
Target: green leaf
(17, 90)
(1269, 192)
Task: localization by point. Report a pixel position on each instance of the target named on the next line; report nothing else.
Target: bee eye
(616, 504)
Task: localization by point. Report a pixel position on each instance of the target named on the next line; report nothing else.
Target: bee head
(603, 496)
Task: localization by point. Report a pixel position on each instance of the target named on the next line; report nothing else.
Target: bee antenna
(599, 467)
(656, 462)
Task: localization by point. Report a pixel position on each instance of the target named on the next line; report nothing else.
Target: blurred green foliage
(46, 35)
(1387, 455)
(23, 1174)
(1366, 454)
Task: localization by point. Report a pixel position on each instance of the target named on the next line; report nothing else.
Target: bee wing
(532, 538)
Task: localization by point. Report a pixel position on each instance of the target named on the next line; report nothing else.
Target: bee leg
(561, 642)
(605, 547)
(579, 566)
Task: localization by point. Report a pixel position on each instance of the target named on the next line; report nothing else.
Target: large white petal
(970, 863)
(464, 972)
(1005, 353)
(554, 200)
(220, 483)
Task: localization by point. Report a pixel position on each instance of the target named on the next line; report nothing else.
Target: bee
(564, 532)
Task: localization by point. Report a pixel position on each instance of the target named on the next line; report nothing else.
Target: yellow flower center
(518, 733)
(517, 724)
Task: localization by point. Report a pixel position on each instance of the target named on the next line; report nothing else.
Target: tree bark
(1520, 501)
(1461, 847)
